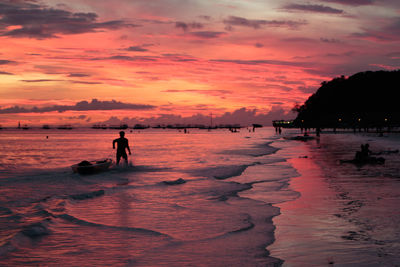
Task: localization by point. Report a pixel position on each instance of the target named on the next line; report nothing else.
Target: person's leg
(125, 156)
(118, 158)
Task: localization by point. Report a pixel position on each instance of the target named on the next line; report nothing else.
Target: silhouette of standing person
(122, 145)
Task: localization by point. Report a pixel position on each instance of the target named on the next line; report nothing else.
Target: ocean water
(207, 198)
(137, 215)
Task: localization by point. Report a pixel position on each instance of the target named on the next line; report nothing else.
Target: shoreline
(327, 224)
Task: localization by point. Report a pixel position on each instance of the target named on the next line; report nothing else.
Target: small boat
(369, 160)
(90, 167)
(65, 127)
(121, 127)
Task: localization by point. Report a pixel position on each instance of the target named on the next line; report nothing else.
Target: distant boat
(122, 126)
(99, 126)
(65, 127)
(140, 126)
(46, 127)
(25, 127)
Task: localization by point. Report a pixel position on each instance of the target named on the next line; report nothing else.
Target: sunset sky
(171, 58)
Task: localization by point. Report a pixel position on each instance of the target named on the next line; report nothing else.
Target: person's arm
(114, 144)
(127, 146)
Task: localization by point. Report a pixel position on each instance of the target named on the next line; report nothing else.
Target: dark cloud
(284, 80)
(85, 82)
(219, 93)
(242, 116)
(307, 89)
(300, 39)
(330, 40)
(127, 58)
(351, 2)
(388, 33)
(41, 80)
(37, 21)
(78, 75)
(6, 73)
(263, 62)
(179, 57)
(80, 117)
(137, 49)
(393, 55)
(55, 80)
(207, 34)
(257, 24)
(6, 62)
(313, 8)
(345, 54)
(205, 17)
(80, 106)
(187, 26)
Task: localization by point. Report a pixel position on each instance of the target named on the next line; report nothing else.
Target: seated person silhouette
(364, 153)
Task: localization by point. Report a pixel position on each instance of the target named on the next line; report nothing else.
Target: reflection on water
(346, 214)
(130, 216)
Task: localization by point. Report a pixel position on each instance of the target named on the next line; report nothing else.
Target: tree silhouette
(365, 100)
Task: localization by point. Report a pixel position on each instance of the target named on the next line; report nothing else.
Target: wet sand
(346, 215)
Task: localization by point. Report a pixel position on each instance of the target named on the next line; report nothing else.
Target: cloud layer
(181, 57)
(259, 23)
(313, 8)
(80, 106)
(36, 21)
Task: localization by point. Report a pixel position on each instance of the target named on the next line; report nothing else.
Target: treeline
(363, 100)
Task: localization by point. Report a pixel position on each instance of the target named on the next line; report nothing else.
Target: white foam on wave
(221, 172)
(75, 220)
(256, 150)
(202, 220)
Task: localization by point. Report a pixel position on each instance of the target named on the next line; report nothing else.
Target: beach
(207, 198)
(347, 215)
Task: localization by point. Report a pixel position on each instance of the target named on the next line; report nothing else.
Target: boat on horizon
(121, 127)
(99, 126)
(65, 127)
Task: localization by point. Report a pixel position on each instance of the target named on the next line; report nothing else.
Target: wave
(222, 172)
(23, 236)
(89, 195)
(5, 211)
(250, 225)
(75, 220)
(257, 150)
(138, 168)
(175, 182)
(37, 229)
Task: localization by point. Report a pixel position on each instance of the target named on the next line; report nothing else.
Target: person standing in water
(122, 146)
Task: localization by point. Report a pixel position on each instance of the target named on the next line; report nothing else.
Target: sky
(179, 61)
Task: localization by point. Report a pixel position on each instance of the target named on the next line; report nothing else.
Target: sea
(201, 198)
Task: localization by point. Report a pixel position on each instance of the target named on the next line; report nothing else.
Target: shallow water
(129, 215)
(207, 198)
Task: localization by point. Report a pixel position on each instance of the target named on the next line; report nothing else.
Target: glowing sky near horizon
(184, 57)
